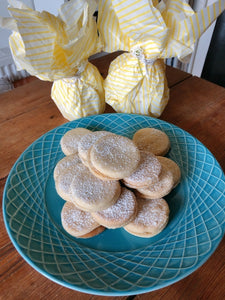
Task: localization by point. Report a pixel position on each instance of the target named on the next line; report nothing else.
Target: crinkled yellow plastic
(150, 31)
(53, 48)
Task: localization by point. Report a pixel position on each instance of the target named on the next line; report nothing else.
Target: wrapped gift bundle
(57, 49)
(149, 32)
(85, 90)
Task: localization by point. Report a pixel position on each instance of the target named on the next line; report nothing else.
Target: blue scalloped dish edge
(115, 262)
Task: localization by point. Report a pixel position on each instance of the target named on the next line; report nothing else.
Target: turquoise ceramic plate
(115, 262)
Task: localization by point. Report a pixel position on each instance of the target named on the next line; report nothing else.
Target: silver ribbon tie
(139, 54)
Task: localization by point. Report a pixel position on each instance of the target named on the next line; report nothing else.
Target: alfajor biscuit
(69, 142)
(114, 156)
(79, 223)
(146, 173)
(120, 213)
(152, 140)
(173, 167)
(86, 143)
(152, 217)
(63, 183)
(91, 193)
(66, 162)
(160, 188)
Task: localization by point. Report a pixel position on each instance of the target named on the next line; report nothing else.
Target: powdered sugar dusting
(76, 219)
(113, 154)
(69, 142)
(147, 171)
(88, 140)
(65, 163)
(92, 191)
(162, 187)
(152, 213)
(65, 178)
(123, 209)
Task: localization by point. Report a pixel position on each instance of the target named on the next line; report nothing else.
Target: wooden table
(27, 112)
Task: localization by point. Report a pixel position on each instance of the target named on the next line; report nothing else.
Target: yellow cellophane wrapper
(149, 31)
(53, 48)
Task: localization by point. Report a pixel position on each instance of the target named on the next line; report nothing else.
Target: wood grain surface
(27, 112)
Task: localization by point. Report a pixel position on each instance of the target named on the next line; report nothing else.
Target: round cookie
(120, 213)
(114, 156)
(77, 222)
(63, 183)
(173, 167)
(160, 188)
(86, 143)
(66, 162)
(152, 217)
(147, 172)
(69, 142)
(152, 140)
(90, 193)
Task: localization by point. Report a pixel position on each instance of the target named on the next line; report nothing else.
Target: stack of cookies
(110, 181)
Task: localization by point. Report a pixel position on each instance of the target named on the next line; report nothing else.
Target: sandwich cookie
(66, 162)
(120, 213)
(86, 143)
(114, 156)
(90, 193)
(147, 172)
(152, 140)
(173, 167)
(160, 188)
(152, 217)
(79, 223)
(63, 182)
(69, 142)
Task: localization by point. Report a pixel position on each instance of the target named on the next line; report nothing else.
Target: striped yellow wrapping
(160, 30)
(52, 48)
(82, 95)
(130, 91)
